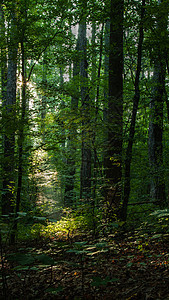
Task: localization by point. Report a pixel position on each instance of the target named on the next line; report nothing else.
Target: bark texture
(9, 128)
(115, 106)
(85, 191)
(128, 154)
(157, 183)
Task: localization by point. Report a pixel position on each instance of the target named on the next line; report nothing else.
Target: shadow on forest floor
(132, 267)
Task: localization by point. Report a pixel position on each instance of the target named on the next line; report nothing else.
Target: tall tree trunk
(157, 184)
(20, 147)
(69, 198)
(115, 105)
(93, 101)
(128, 154)
(22, 123)
(9, 130)
(106, 90)
(3, 57)
(62, 125)
(44, 82)
(85, 191)
(96, 106)
(21, 131)
(3, 66)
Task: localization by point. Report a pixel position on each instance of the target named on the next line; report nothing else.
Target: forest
(84, 143)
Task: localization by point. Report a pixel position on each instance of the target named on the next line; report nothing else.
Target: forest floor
(113, 267)
(121, 266)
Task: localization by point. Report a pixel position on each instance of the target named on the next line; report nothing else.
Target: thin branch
(44, 49)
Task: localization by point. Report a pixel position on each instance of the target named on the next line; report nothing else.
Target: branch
(44, 49)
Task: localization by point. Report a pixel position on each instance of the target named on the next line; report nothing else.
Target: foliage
(91, 266)
(49, 151)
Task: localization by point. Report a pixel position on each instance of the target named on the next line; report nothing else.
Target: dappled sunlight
(84, 143)
(48, 184)
(66, 227)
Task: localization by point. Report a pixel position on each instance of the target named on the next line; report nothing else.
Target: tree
(3, 55)
(9, 119)
(157, 185)
(95, 103)
(69, 198)
(85, 190)
(113, 159)
(128, 154)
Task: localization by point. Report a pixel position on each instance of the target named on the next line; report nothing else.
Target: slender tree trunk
(85, 191)
(128, 154)
(96, 105)
(44, 82)
(3, 57)
(115, 106)
(157, 186)
(106, 90)
(3, 66)
(21, 138)
(21, 131)
(9, 130)
(21, 127)
(70, 195)
(63, 144)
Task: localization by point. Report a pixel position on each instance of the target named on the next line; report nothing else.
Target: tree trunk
(115, 106)
(157, 184)
(44, 82)
(20, 147)
(3, 66)
(85, 191)
(3, 57)
(96, 106)
(106, 90)
(128, 154)
(70, 196)
(9, 130)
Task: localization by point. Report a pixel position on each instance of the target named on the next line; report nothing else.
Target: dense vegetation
(84, 146)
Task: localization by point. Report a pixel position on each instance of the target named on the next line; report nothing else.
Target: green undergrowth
(74, 223)
(64, 246)
(64, 227)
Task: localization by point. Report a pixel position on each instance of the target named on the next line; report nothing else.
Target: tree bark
(85, 191)
(3, 56)
(9, 130)
(128, 154)
(20, 147)
(157, 184)
(96, 106)
(113, 159)
(70, 195)
(44, 82)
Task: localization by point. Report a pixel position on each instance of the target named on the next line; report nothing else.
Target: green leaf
(24, 268)
(34, 269)
(129, 264)
(101, 245)
(114, 224)
(22, 214)
(156, 236)
(22, 259)
(45, 259)
(54, 291)
(142, 264)
(160, 213)
(98, 281)
(80, 244)
(39, 218)
(53, 220)
(76, 251)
